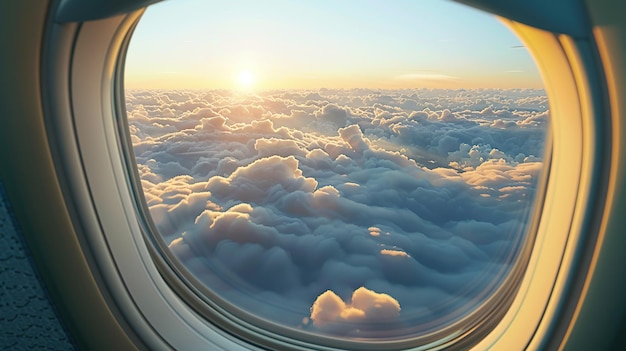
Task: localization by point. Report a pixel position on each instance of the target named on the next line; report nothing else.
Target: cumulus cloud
(340, 206)
(329, 311)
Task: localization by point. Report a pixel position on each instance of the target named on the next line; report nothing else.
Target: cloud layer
(337, 207)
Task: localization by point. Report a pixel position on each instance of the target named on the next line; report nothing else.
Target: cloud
(395, 253)
(262, 179)
(427, 77)
(307, 204)
(332, 113)
(366, 307)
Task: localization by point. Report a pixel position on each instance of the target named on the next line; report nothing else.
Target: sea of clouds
(354, 212)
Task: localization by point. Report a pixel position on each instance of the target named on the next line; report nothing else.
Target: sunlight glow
(269, 47)
(245, 79)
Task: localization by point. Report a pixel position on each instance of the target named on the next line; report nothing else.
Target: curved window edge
(568, 223)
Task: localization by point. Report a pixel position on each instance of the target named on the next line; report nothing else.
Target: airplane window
(355, 170)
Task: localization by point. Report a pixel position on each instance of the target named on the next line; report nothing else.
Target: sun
(245, 79)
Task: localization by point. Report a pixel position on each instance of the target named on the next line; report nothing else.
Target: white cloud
(366, 306)
(291, 199)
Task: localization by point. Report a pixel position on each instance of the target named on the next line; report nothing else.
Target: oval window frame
(93, 164)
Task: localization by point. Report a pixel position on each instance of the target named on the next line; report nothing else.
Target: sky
(359, 213)
(280, 44)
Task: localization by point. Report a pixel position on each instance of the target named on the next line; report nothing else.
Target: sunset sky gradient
(325, 44)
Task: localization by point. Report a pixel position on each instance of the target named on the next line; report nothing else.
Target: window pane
(364, 169)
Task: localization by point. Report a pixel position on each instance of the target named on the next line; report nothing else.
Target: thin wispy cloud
(426, 77)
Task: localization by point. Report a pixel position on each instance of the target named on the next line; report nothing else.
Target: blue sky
(324, 43)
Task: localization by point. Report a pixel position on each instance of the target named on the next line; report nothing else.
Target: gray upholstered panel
(27, 318)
